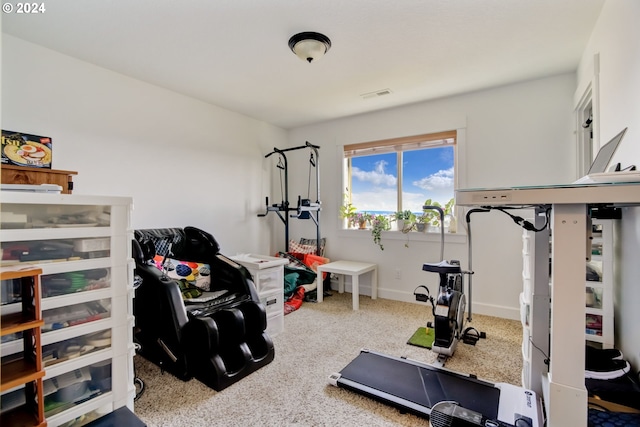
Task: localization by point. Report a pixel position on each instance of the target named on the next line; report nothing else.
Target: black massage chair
(219, 341)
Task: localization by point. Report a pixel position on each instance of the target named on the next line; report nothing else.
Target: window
(383, 177)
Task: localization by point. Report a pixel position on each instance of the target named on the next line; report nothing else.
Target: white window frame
(460, 180)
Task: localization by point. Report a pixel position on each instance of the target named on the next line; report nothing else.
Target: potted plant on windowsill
(405, 220)
(362, 219)
(431, 217)
(422, 222)
(348, 212)
(449, 211)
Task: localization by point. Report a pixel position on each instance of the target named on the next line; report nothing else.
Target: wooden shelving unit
(26, 370)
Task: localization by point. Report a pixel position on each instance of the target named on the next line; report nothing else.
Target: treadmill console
(451, 414)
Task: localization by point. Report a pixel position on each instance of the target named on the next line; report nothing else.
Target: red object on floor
(295, 301)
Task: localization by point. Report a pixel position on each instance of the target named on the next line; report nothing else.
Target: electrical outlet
(398, 274)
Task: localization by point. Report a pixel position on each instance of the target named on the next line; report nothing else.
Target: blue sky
(428, 173)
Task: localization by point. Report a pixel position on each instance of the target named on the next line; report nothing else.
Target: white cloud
(437, 186)
(413, 201)
(439, 182)
(377, 177)
(383, 200)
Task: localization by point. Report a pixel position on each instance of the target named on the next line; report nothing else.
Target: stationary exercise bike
(448, 307)
(450, 303)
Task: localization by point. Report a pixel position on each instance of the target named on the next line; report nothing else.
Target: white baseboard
(503, 312)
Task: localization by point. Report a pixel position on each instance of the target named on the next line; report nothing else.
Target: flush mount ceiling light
(309, 46)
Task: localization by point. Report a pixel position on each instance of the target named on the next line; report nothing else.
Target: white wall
(184, 162)
(513, 135)
(616, 42)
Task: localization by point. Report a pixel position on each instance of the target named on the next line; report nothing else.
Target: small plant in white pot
(449, 211)
(405, 220)
(422, 222)
(432, 216)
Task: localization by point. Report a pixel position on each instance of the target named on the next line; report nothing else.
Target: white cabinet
(534, 306)
(600, 283)
(268, 276)
(525, 305)
(535, 303)
(82, 244)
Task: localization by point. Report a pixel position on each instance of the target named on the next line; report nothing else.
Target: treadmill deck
(416, 387)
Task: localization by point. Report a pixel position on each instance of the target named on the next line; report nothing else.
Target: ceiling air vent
(376, 94)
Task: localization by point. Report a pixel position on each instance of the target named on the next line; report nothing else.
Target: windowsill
(459, 238)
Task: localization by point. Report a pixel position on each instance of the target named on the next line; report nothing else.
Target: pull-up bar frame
(284, 206)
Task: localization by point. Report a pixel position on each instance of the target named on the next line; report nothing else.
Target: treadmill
(445, 397)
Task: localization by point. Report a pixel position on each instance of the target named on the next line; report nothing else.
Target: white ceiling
(234, 53)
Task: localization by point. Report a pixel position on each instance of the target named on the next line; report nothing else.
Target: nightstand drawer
(273, 302)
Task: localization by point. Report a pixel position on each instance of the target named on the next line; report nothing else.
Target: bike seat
(443, 267)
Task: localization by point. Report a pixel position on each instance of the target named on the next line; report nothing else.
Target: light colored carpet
(320, 339)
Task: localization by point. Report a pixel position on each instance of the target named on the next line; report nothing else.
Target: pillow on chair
(313, 242)
(301, 248)
(299, 251)
(195, 273)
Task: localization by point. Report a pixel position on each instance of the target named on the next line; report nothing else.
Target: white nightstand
(268, 276)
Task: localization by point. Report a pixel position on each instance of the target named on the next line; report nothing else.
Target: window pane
(427, 174)
(374, 181)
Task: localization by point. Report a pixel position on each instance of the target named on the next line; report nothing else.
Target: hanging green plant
(379, 224)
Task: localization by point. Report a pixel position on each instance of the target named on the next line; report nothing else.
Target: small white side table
(353, 269)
